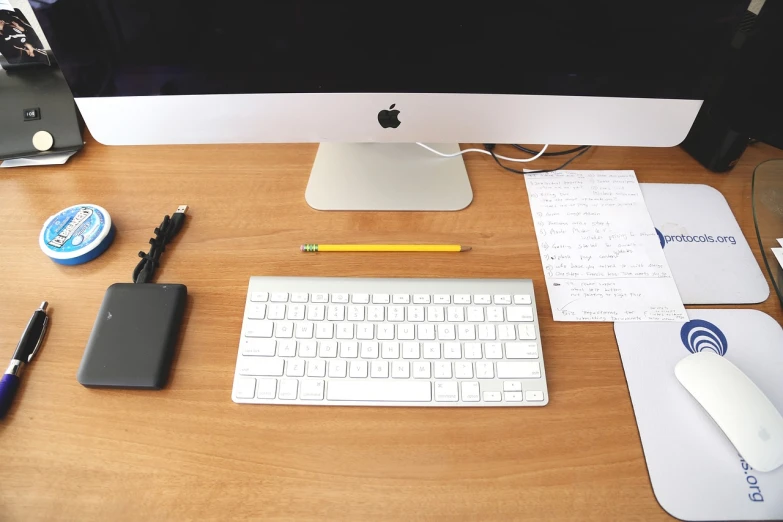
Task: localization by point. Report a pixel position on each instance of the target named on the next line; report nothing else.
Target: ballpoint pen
(27, 348)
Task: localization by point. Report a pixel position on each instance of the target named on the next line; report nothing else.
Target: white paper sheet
(602, 257)
(38, 161)
(778, 255)
(780, 241)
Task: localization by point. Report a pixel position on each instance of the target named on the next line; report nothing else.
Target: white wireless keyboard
(390, 342)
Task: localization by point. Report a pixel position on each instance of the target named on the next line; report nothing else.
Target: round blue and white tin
(77, 234)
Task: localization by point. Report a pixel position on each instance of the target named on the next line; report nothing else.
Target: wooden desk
(71, 453)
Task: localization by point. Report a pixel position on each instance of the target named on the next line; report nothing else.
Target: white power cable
(482, 151)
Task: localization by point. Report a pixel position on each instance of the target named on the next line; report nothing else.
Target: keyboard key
(401, 370)
(256, 311)
(259, 297)
(421, 299)
(258, 347)
(517, 314)
(442, 370)
(328, 349)
(452, 351)
(279, 297)
(260, 329)
(395, 314)
(385, 331)
(522, 300)
(284, 329)
(426, 332)
(296, 312)
(390, 350)
(358, 369)
(316, 312)
(410, 351)
(463, 370)
(401, 299)
(286, 348)
(518, 370)
(512, 386)
(502, 299)
(335, 312)
(316, 368)
(340, 298)
(486, 332)
(432, 350)
(263, 366)
(344, 331)
(462, 299)
(380, 298)
(355, 313)
(365, 331)
(506, 332)
(376, 313)
(485, 370)
(307, 348)
(415, 314)
(244, 388)
(370, 350)
(446, 391)
(470, 391)
(493, 351)
(527, 331)
(475, 314)
(492, 396)
(312, 390)
(349, 350)
(472, 350)
(303, 330)
(276, 311)
(406, 332)
(512, 396)
(441, 299)
(446, 332)
(266, 389)
(482, 299)
(534, 396)
(338, 369)
(295, 368)
(435, 314)
(421, 370)
(320, 298)
(527, 350)
(324, 331)
(288, 389)
(380, 391)
(466, 332)
(455, 314)
(379, 369)
(495, 314)
(360, 298)
(299, 297)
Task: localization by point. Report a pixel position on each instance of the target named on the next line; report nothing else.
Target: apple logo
(389, 118)
(764, 434)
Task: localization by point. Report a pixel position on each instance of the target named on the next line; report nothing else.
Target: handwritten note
(601, 254)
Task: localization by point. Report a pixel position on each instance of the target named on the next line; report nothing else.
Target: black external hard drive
(134, 337)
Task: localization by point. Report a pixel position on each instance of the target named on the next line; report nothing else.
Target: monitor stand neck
(387, 176)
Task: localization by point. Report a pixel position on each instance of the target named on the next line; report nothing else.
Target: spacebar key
(379, 391)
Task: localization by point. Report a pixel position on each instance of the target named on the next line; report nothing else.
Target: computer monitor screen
(549, 71)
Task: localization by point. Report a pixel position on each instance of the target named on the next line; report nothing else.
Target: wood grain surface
(189, 453)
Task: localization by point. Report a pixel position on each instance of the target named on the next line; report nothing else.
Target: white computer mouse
(738, 407)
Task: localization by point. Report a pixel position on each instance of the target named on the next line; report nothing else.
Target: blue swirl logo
(699, 336)
(661, 238)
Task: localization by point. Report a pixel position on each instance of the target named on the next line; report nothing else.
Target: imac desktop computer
(368, 80)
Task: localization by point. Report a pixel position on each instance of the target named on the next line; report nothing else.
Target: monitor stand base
(387, 176)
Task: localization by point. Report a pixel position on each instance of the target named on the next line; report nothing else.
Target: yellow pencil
(310, 247)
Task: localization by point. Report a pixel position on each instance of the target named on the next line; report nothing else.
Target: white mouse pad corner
(709, 256)
(695, 472)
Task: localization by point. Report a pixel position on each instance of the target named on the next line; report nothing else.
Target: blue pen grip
(8, 386)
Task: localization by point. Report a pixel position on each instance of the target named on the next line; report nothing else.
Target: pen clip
(40, 339)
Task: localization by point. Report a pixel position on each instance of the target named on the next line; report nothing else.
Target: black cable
(558, 153)
(491, 149)
(168, 229)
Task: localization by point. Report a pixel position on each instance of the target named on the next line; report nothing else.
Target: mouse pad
(696, 473)
(709, 257)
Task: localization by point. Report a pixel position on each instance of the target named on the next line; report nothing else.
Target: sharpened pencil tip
(465, 249)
